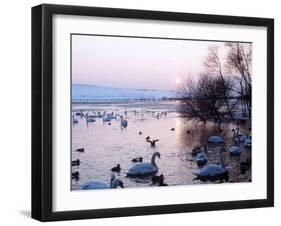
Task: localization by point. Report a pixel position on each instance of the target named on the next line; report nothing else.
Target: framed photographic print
(145, 112)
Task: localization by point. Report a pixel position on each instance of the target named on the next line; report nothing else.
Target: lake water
(108, 145)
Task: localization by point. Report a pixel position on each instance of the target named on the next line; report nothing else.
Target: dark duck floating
(75, 162)
(156, 179)
(116, 168)
(162, 183)
(75, 175)
(139, 159)
(196, 150)
(159, 180)
(80, 150)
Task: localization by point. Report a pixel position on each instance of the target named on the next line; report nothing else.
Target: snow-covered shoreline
(90, 93)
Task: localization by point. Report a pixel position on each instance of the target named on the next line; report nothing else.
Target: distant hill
(99, 93)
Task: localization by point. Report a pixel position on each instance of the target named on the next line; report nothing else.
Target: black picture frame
(42, 111)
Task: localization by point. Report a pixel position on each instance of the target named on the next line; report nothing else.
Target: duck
(202, 158)
(75, 175)
(188, 131)
(80, 150)
(140, 132)
(75, 162)
(162, 183)
(152, 142)
(196, 150)
(144, 169)
(139, 159)
(114, 183)
(124, 122)
(172, 129)
(116, 168)
(158, 180)
(212, 172)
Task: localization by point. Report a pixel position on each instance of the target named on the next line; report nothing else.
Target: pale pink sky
(136, 62)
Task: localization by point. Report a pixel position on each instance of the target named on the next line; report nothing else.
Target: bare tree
(239, 63)
(205, 98)
(215, 93)
(214, 65)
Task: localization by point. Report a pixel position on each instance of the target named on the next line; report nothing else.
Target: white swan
(74, 120)
(202, 158)
(235, 150)
(216, 139)
(114, 183)
(212, 170)
(247, 139)
(124, 122)
(90, 117)
(105, 118)
(108, 117)
(248, 142)
(99, 115)
(143, 169)
(239, 136)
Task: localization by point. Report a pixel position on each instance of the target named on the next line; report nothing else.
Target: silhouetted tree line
(224, 87)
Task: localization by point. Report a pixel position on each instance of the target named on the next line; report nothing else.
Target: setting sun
(178, 81)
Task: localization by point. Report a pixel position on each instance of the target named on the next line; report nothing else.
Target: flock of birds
(106, 117)
(140, 169)
(206, 171)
